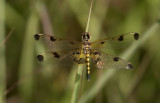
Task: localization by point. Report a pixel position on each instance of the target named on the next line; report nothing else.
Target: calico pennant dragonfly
(84, 51)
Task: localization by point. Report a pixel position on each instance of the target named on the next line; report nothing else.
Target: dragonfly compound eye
(88, 36)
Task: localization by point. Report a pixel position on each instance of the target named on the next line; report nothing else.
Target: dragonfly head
(86, 36)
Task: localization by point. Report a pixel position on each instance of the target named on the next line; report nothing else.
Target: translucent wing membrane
(103, 60)
(58, 56)
(115, 42)
(61, 50)
(63, 57)
(68, 51)
(58, 44)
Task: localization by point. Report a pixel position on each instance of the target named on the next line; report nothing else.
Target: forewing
(58, 44)
(119, 41)
(103, 60)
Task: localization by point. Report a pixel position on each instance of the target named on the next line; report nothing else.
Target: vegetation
(24, 80)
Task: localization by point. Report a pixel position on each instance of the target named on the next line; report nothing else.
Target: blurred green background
(24, 80)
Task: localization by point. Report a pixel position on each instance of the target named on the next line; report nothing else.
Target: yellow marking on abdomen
(88, 66)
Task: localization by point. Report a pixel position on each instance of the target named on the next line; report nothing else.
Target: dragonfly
(82, 52)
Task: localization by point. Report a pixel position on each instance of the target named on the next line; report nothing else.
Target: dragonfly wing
(61, 49)
(65, 57)
(54, 55)
(58, 44)
(115, 42)
(103, 60)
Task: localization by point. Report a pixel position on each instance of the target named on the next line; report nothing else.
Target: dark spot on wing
(56, 55)
(102, 42)
(52, 38)
(78, 53)
(40, 58)
(130, 66)
(71, 42)
(136, 36)
(36, 37)
(95, 53)
(120, 38)
(116, 59)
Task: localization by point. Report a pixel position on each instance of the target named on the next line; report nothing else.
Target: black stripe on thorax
(87, 43)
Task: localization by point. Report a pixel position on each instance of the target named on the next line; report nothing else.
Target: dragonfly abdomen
(86, 50)
(88, 66)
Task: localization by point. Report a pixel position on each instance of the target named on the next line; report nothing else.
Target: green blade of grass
(26, 64)
(91, 93)
(80, 13)
(76, 90)
(77, 84)
(11, 18)
(89, 16)
(97, 21)
(2, 52)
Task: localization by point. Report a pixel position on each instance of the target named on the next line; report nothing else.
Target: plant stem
(2, 52)
(76, 90)
(89, 16)
(26, 64)
(77, 85)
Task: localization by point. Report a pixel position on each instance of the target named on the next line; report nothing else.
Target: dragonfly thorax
(86, 47)
(86, 43)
